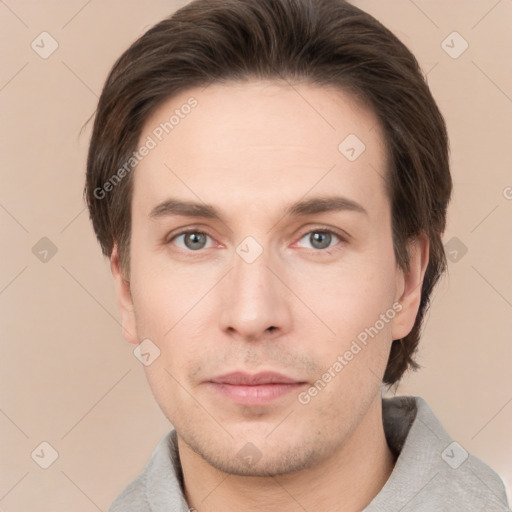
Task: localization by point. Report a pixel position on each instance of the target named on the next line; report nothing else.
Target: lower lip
(254, 395)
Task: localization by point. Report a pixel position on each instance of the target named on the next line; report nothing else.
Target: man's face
(257, 290)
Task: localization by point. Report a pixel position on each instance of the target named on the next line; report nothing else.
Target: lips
(259, 389)
(245, 379)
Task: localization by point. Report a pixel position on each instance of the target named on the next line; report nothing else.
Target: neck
(346, 482)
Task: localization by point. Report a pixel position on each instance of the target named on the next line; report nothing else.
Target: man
(270, 179)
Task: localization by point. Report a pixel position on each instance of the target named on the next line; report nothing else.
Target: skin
(250, 149)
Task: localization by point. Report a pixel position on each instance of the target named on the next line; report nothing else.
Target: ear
(124, 299)
(409, 286)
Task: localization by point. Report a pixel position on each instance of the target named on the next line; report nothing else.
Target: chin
(260, 458)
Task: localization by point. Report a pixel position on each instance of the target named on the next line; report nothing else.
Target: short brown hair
(324, 42)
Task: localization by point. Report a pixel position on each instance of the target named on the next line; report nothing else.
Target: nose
(255, 302)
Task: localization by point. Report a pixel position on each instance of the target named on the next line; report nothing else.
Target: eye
(320, 238)
(195, 240)
(192, 240)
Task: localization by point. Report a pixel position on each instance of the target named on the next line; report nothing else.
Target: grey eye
(192, 240)
(320, 239)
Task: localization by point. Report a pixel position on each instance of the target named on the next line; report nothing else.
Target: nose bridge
(251, 276)
(253, 300)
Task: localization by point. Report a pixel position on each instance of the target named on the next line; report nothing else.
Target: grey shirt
(432, 473)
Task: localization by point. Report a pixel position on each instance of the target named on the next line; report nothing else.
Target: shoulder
(158, 485)
(432, 471)
(132, 498)
(457, 479)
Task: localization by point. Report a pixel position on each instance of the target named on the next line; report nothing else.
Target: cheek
(354, 357)
(171, 309)
(163, 294)
(348, 295)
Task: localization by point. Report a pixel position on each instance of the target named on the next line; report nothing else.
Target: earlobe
(124, 299)
(409, 286)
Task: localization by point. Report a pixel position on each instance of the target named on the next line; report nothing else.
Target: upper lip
(246, 379)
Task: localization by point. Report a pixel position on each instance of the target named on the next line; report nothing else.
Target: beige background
(68, 377)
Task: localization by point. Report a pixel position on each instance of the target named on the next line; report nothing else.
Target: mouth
(257, 389)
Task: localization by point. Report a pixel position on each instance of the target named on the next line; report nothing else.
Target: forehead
(261, 139)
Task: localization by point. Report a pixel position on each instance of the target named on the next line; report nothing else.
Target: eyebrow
(313, 206)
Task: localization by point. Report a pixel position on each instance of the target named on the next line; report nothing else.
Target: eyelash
(322, 230)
